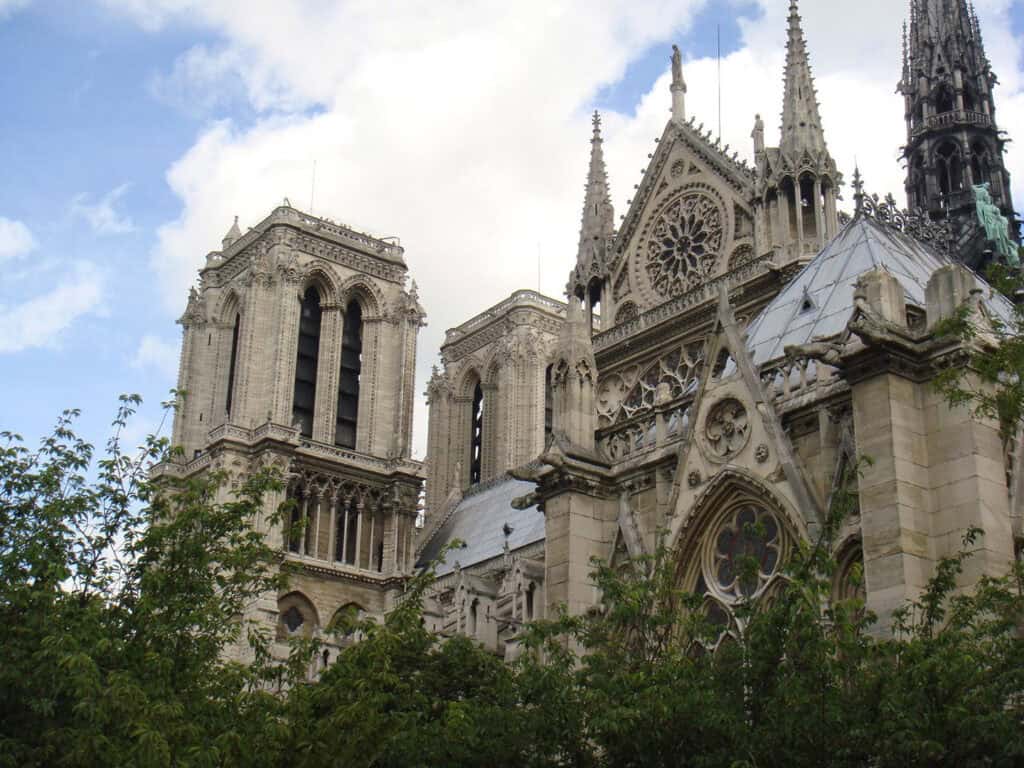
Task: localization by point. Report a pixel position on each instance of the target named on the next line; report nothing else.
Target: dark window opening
(945, 100)
(594, 304)
(304, 400)
(380, 557)
(529, 601)
(351, 370)
(231, 364)
(295, 524)
(293, 619)
(549, 405)
(950, 169)
(476, 435)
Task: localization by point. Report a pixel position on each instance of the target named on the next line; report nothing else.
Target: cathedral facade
(726, 355)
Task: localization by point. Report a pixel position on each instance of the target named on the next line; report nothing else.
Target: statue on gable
(996, 226)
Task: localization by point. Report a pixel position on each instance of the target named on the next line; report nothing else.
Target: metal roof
(479, 521)
(818, 302)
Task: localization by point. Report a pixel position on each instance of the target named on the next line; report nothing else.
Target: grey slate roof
(828, 281)
(478, 521)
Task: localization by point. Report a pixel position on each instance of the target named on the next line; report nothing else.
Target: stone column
(332, 322)
(819, 213)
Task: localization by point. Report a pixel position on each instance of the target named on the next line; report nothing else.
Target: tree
(118, 596)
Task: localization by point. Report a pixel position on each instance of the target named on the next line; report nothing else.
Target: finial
(597, 124)
(858, 190)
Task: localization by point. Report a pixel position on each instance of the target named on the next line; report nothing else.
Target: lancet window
(476, 435)
(949, 167)
(304, 398)
(232, 363)
(348, 382)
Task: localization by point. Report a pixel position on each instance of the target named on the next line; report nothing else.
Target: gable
(691, 215)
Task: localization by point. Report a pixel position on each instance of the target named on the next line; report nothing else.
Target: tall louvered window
(231, 364)
(477, 436)
(549, 405)
(348, 382)
(304, 399)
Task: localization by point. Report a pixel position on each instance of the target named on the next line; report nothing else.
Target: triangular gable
(736, 434)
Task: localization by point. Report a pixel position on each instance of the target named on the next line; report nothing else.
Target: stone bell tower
(298, 353)
(953, 141)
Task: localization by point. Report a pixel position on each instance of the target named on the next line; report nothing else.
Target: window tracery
(685, 243)
(740, 560)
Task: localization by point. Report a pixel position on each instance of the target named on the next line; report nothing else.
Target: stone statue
(758, 135)
(996, 226)
(677, 65)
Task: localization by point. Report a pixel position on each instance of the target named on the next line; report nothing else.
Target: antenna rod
(719, 34)
(538, 268)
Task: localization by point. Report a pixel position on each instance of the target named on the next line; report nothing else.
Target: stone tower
(590, 280)
(953, 141)
(798, 181)
(298, 352)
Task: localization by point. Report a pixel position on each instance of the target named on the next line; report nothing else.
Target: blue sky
(104, 98)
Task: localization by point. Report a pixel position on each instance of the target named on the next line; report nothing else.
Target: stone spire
(573, 380)
(598, 213)
(953, 140)
(678, 87)
(801, 120)
(233, 234)
(597, 226)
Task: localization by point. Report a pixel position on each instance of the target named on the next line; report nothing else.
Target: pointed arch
(367, 293)
(730, 488)
(325, 283)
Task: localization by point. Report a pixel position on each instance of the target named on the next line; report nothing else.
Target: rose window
(727, 428)
(685, 242)
(745, 552)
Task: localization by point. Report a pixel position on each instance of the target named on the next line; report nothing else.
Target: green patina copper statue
(997, 228)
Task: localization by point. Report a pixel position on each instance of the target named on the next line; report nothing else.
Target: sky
(135, 130)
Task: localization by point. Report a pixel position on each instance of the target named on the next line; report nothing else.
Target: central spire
(801, 120)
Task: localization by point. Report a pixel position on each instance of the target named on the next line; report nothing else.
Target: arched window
(945, 100)
(530, 593)
(476, 435)
(231, 364)
(471, 623)
(949, 167)
(549, 405)
(594, 304)
(296, 617)
(304, 399)
(808, 206)
(981, 164)
(348, 382)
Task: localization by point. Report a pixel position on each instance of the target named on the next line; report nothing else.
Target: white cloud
(101, 215)
(39, 321)
(8, 7)
(159, 354)
(15, 239)
(464, 127)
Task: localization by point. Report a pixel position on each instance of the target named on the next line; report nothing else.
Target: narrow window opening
(304, 399)
(594, 301)
(476, 435)
(529, 601)
(231, 364)
(351, 370)
(549, 405)
(380, 557)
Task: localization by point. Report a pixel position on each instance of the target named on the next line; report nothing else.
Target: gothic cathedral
(726, 355)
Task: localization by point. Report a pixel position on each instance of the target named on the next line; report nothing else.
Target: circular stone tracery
(727, 429)
(684, 244)
(745, 552)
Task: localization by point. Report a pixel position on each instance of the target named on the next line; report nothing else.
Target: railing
(956, 117)
(291, 215)
(673, 307)
(517, 299)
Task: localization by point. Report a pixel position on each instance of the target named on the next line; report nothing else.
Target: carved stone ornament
(693, 479)
(685, 243)
(761, 453)
(727, 429)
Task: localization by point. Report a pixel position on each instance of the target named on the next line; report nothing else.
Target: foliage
(120, 597)
(992, 381)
